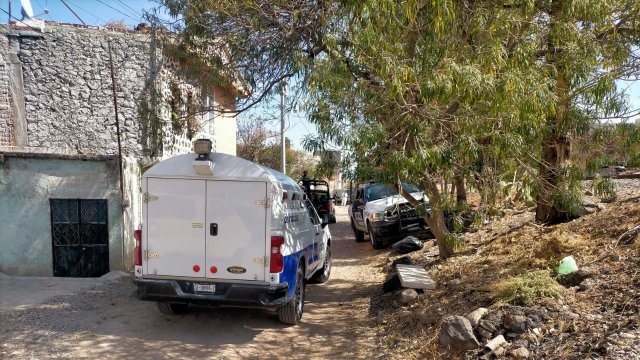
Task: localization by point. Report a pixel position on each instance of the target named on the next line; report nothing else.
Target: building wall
(60, 80)
(27, 184)
(68, 90)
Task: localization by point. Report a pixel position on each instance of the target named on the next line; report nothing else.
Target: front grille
(407, 212)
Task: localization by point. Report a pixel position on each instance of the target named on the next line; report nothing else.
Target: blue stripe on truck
(291, 261)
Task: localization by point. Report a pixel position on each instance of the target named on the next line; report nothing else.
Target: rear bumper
(227, 294)
(395, 231)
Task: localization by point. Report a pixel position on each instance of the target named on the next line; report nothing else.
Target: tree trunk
(461, 192)
(440, 231)
(435, 219)
(548, 178)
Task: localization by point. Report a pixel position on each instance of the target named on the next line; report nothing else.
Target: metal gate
(79, 231)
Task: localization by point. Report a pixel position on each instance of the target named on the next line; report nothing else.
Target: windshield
(380, 191)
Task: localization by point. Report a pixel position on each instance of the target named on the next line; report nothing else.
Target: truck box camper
(220, 230)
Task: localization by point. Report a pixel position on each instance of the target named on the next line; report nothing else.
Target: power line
(111, 7)
(85, 11)
(131, 10)
(74, 13)
(45, 9)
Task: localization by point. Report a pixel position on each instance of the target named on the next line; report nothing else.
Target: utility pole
(9, 21)
(283, 89)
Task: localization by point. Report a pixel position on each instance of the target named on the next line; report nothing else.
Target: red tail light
(277, 261)
(138, 250)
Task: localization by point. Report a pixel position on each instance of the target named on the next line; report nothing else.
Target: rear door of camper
(205, 229)
(174, 228)
(236, 239)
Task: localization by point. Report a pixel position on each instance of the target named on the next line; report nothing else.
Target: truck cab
(220, 230)
(379, 211)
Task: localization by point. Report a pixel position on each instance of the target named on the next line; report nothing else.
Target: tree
(431, 91)
(259, 145)
(584, 47)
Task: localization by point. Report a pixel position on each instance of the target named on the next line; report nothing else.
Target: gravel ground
(107, 321)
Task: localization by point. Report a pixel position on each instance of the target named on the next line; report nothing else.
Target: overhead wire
(129, 9)
(73, 12)
(86, 11)
(44, 8)
(112, 8)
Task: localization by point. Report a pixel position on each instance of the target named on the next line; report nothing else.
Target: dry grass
(510, 267)
(527, 289)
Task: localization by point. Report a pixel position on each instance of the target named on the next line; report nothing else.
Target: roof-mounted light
(203, 164)
(202, 147)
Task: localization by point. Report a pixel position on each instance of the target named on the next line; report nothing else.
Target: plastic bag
(567, 266)
(407, 245)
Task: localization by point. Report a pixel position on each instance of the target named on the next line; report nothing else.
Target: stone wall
(68, 90)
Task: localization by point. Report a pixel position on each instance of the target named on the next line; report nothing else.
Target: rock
(407, 245)
(573, 279)
(408, 297)
(590, 210)
(484, 334)
(520, 353)
(495, 343)
(499, 352)
(456, 333)
(476, 315)
(515, 323)
(392, 284)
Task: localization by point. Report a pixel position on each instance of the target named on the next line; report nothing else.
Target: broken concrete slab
(415, 277)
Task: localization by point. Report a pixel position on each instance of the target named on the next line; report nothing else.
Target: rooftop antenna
(28, 17)
(27, 10)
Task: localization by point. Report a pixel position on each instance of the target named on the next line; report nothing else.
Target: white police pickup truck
(220, 230)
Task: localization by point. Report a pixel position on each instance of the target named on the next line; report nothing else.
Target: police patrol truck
(220, 230)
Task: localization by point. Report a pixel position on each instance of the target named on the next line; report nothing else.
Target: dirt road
(109, 322)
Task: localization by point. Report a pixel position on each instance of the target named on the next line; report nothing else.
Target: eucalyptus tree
(421, 90)
(584, 46)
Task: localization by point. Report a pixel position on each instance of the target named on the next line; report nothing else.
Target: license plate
(210, 288)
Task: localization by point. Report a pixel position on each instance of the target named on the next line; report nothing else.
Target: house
(83, 112)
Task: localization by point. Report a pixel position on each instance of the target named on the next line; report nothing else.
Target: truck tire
(376, 242)
(291, 312)
(322, 275)
(169, 308)
(359, 234)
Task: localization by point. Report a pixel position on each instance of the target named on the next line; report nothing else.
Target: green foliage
(421, 90)
(256, 144)
(527, 289)
(603, 187)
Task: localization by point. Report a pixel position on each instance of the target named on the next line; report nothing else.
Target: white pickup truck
(220, 230)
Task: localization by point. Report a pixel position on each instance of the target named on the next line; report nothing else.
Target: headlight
(377, 216)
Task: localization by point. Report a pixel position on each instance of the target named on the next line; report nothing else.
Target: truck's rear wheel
(359, 234)
(172, 308)
(323, 274)
(291, 313)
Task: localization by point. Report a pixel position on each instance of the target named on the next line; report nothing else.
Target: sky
(98, 12)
